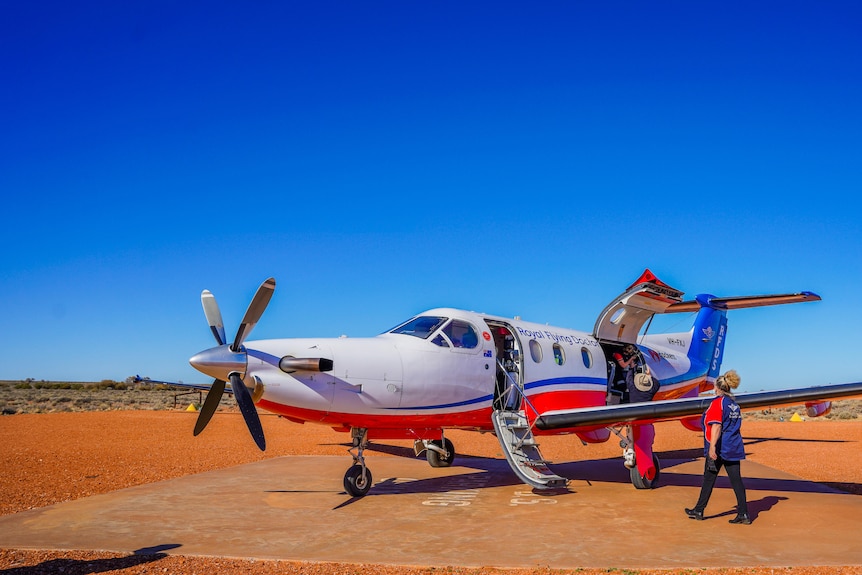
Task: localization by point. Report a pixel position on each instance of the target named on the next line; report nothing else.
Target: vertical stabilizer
(707, 342)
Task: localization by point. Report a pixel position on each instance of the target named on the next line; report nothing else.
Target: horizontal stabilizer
(740, 302)
(672, 409)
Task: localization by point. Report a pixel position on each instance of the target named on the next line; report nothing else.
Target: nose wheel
(357, 479)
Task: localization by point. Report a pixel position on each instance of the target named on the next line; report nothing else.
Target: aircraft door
(509, 383)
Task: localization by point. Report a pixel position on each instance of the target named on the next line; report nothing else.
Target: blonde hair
(728, 381)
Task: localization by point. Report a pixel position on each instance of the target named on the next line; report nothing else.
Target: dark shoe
(743, 519)
(694, 514)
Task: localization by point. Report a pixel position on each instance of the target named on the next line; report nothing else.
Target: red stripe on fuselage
(474, 419)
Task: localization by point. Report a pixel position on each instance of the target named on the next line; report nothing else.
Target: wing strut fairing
(679, 408)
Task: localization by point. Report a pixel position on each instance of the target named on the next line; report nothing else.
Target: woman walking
(722, 446)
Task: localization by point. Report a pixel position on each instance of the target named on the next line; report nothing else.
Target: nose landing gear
(357, 479)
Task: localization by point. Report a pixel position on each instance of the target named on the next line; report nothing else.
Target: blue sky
(379, 159)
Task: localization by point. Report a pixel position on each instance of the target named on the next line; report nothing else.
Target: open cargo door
(624, 317)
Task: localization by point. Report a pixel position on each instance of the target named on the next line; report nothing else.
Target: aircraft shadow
(496, 473)
(87, 566)
(610, 471)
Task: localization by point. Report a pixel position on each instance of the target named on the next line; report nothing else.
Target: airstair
(520, 447)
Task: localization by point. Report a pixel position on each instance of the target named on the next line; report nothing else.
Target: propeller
(210, 405)
(231, 361)
(249, 413)
(252, 314)
(213, 316)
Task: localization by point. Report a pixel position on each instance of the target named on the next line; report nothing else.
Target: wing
(198, 386)
(671, 409)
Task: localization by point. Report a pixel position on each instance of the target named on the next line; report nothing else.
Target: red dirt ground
(50, 458)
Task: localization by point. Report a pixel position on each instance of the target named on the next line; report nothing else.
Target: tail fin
(707, 340)
(710, 326)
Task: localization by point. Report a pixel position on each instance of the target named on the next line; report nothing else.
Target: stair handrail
(514, 385)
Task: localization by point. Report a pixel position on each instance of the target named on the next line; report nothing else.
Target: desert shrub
(23, 385)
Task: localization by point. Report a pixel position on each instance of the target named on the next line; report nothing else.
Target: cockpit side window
(462, 334)
(420, 327)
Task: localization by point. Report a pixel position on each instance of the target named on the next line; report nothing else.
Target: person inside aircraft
(643, 385)
(626, 361)
(462, 334)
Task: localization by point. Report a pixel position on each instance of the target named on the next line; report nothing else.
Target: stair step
(522, 451)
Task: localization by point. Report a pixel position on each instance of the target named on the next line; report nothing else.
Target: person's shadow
(88, 566)
(763, 505)
(755, 508)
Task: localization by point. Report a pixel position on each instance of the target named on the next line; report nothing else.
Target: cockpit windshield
(421, 326)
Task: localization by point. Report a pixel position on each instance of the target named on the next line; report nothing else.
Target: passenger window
(587, 357)
(462, 334)
(559, 355)
(535, 351)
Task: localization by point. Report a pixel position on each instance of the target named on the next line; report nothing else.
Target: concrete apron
(472, 514)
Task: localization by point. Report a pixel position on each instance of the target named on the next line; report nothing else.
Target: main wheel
(437, 460)
(642, 482)
(357, 483)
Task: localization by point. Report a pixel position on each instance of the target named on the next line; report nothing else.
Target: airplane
(454, 369)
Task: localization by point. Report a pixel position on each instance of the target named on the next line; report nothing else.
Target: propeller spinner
(229, 362)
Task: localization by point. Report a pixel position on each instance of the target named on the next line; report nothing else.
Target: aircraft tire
(437, 460)
(355, 484)
(641, 482)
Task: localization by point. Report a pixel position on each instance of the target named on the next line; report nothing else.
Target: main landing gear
(634, 442)
(357, 480)
(438, 452)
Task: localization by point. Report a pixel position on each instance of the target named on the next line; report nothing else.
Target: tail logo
(709, 333)
(718, 348)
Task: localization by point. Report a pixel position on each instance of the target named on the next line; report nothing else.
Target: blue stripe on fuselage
(530, 386)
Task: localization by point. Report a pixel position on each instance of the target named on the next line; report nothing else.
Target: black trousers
(709, 477)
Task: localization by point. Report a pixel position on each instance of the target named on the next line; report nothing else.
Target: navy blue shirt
(725, 411)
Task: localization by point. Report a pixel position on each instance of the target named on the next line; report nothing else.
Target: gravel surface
(54, 457)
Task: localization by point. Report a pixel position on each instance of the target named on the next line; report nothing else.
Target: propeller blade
(255, 310)
(213, 316)
(249, 412)
(210, 404)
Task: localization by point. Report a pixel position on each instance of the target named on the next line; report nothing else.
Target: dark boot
(694, 514)
(742, 519)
